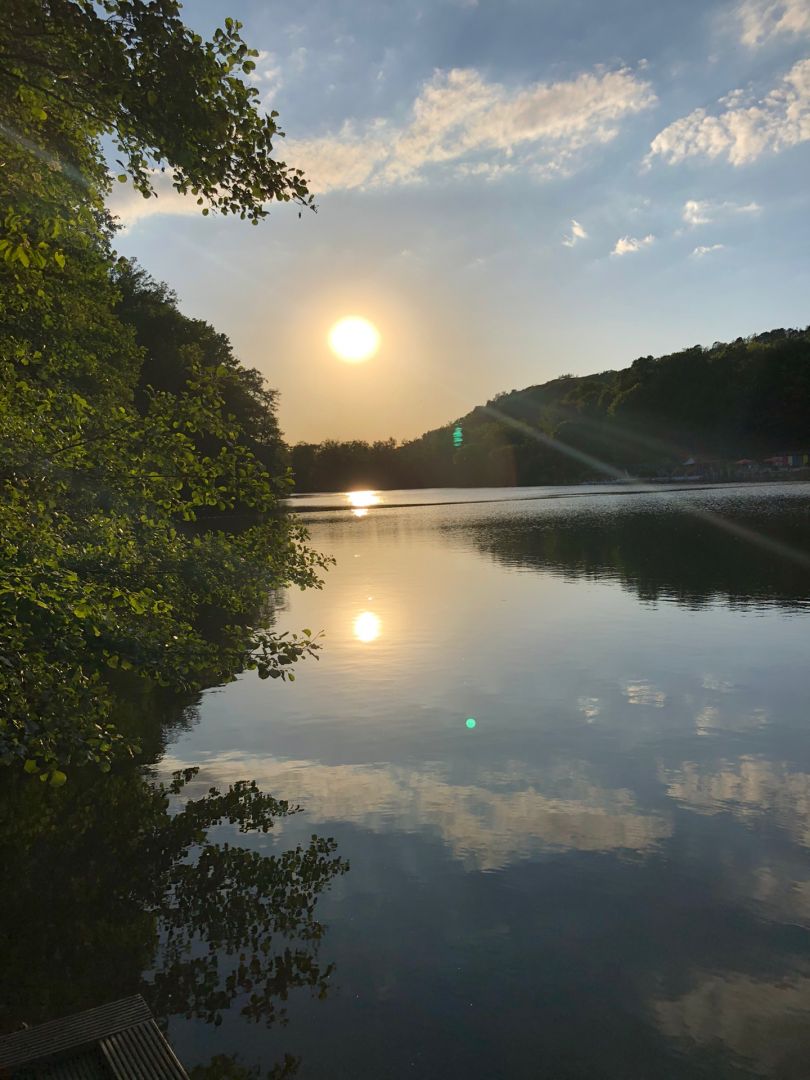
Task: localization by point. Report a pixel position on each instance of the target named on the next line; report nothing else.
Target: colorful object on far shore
(471, 722)
(458, 436)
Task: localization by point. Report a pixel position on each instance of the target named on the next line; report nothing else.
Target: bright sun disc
(354, 339)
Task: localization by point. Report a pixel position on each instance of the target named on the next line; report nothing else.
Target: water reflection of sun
(360, 501)
(367, 627)
(363, 498)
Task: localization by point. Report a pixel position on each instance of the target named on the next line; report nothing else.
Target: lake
(561, 738)
(609, 874)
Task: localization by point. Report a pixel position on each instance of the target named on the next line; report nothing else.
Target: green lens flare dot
(470, 723)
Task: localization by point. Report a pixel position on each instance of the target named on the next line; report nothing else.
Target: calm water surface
(609, 874)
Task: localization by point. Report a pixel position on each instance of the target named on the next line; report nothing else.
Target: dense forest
(748, 399)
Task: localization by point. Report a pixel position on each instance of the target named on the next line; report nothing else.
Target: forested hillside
(749, 398)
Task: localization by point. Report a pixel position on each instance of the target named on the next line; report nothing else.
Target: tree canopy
(140, 464)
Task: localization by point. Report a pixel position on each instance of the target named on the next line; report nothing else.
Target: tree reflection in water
(113, 884)
(731, 551)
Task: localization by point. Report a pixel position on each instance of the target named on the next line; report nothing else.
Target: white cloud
(761, 20)
(706, 249)
(577, 233)
(697, 212)
(628, 244)
(266, 76)
(461, 121)
(129, 206)
(742, 131)
(705, 211)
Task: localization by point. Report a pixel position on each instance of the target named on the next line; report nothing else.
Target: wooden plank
(87, 1065)
(72, 1032)
(140, 1052)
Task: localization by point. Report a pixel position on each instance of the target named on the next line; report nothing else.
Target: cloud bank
(761, 20)
(742, 131)
(463, 123)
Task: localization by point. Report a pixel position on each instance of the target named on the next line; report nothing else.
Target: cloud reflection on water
(484, 828)
(762, 1022)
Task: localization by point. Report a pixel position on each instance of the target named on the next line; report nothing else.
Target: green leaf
(31, 766)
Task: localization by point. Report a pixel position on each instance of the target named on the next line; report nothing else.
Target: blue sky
(509, 190)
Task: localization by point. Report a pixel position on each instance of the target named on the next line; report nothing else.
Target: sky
(509, 190)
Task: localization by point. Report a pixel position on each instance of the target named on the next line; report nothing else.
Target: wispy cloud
(742, 131)
(706, 249)
(463, 123)
(626, 245)
(129, 206)
(705, 211)
(761, 20)
(267, 76)
(577, 233)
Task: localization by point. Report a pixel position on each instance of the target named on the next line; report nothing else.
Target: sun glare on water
(367, 627)
(361, 500)
(354, 339)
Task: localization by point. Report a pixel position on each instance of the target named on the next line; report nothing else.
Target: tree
(107, 477)
(132, 70)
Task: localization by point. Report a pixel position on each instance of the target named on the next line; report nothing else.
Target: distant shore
(539, 492)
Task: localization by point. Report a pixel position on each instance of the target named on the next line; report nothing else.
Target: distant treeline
(749, 398)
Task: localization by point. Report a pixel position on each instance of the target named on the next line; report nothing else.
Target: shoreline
(652, 487)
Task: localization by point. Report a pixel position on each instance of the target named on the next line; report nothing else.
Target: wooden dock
(117, 1041)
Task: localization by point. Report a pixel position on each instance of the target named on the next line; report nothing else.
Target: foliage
(139, 519)
(132, 70)
(198, 926)
(168, 338)
(749, 398)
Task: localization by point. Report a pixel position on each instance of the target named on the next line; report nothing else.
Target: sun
(354, 339)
